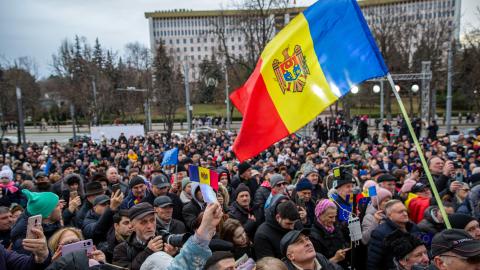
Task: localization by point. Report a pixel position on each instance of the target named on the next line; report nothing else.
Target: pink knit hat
(322, 205)
(381, 195)
(407, 185)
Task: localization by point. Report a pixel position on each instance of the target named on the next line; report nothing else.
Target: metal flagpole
(420, 152)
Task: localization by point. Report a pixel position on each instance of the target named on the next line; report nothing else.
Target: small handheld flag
(208, 180)
(170, 157)
(372, 191)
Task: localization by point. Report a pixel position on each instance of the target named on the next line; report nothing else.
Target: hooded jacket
(192, 209)
(268, 235)
(429, 225)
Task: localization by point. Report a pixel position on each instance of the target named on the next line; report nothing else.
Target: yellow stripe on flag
(299, 102)
(204, 175)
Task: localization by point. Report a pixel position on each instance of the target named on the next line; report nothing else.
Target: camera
(176, 240)
(457, 164)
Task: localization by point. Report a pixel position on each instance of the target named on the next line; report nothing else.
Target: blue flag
(47, 166)
(170, 157)
(372, 191)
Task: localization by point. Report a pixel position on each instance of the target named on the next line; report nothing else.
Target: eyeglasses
(281, 184)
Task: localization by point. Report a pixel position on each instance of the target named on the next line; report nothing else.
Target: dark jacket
(326, 243)
(177, 204)
(268, 235)
(5, 238)
(428, 225)
(19, 232)
(378, 256)
(192, 209)
(7, 197)
(82, 212)
(131, 254)
(96, 227)
(129, 201)
(77, 261)
(109, 245)
(261, 196)
(324, 262)
(241, 214)
(176, 227)
(11, 260)
(251, 183)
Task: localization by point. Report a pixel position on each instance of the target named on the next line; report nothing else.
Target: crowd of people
(329, 201)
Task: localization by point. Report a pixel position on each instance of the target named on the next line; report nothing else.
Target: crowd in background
(291, 207)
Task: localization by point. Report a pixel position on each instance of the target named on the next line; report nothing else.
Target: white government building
(188, 35)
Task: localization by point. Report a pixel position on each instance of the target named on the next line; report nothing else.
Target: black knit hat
(137, 180)
(401, 244)
(243, 167)
(93, 188)
(241, 188)
(459, 221)
(386, 178)
(216, 257)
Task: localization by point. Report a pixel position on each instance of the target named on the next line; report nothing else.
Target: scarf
(10, 186)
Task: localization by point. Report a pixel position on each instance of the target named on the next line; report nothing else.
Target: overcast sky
(36, 28)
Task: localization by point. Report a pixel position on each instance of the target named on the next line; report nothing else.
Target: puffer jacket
(241, 214)
(325, 242)
(269, 234)
(96, 227)
(429, 225)
(131, 253)
(259, 200)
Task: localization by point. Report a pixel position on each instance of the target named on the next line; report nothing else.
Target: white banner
(109, 132)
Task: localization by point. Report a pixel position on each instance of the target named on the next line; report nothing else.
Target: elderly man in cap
(455, 249)
(318, 191)
(279, 187)
(408, 251)
(164, 212)
(99, 219)
(42, 183)
(300, 254)
(160, 187)
(142, 242)
(388, 182)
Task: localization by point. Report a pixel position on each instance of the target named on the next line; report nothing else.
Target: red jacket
(417, 207)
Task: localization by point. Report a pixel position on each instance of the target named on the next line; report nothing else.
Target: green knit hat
(40, 203)
(185, 181)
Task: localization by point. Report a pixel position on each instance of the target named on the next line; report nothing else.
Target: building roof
(230, 12)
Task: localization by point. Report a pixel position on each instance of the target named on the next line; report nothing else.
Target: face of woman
(68, 237)
(327, 219)
(240, 237)
(384, 202)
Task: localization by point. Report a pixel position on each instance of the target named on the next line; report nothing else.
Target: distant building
(188, 35)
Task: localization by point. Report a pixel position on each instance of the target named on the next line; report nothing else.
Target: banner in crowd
(97, 133)
(317, 58)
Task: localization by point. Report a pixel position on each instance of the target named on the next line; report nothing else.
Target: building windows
(184, 41)
(185, 49)
(199, 49)
(191, 40)
(178, 41)
(191, 49)
(198, 40)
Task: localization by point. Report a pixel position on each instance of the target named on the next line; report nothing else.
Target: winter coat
(81, 213)
(131, 253)
(7, 197)
(241, 214)
(251, 183)
(192, 209)
(324, 263)
(261, 196)
(131, 200)
(268, 235)
(77, 261)
(12, 260)
(325, 242)
(471, 205)
(379, 257)
(369, 224)
(177, 204)
(428, 225)
(176, 227)
(109, 245)
(96, 227)
(5, 238)
(19, 232)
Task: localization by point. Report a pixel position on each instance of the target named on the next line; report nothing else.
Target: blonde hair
(226, 197)
(54, 240)
(270, 263)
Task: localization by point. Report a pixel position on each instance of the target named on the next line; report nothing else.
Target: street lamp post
(414, 89)
(187, 98)
(21, 124)
(379, 89)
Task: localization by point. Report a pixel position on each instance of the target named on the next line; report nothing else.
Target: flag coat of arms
(316, 59)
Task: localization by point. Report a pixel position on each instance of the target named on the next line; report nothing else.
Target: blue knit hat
(40, 203)
(304, 184)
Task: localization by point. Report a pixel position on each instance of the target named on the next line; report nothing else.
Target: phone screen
(33, 222)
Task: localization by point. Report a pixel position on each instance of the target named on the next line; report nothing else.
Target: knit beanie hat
(6, 172)
(304, 184)
(241, 188)
(158, 260)
(243, 167)
(308, 170)
(407, 185)
(381, 195)
(459, 221)
(401, 244)
(137, 180)
(185, 182)
(40, 203)
(322, 205)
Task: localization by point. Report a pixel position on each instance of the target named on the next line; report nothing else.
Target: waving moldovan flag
(207, 179)
(311, 63)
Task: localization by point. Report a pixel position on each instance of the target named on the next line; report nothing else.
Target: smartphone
(115, 187)
(85, 245)
(33, 222)
(73, 194)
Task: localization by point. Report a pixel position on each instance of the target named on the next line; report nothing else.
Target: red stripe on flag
(261, 125)
(214, 180)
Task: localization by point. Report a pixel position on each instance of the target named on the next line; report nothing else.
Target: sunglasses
(281, 184)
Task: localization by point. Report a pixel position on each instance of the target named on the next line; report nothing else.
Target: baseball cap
(160, 181)
(101, 200)
(290, 238)
(162, 201)
(276, 179)
(140, 210)
(456, 241)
